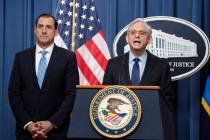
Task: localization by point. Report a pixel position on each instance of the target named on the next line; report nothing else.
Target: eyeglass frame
(141, 33)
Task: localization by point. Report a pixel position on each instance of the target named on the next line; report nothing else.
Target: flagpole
(73, 28)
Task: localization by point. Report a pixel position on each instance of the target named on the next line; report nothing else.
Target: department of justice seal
(115, 111)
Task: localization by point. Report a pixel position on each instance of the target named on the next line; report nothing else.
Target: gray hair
(149, 29)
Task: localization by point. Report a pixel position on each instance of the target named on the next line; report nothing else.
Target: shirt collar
(48, 49)
(142, 57)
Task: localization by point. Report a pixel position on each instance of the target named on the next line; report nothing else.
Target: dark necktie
(135, 78)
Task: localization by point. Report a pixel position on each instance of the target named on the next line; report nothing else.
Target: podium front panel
(150, 126)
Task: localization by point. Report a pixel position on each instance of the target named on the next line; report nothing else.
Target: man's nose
(137, 34)
(44, 30)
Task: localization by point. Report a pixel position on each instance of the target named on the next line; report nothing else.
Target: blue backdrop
(16, 33)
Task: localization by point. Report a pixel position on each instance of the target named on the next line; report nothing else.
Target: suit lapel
(125, 70)
(32, 60)
(148, 69)
(50, 65)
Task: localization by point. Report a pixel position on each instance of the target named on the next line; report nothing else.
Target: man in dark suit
(42, 85)
(139, 67)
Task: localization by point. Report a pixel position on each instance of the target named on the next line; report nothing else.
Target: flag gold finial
(73, 28)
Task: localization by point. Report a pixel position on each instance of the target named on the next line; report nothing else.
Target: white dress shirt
(39, 55)
(142, 63)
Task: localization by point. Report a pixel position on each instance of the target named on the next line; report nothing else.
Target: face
(138, 38)
(45, 32)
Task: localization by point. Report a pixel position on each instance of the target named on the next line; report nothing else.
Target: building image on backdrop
(165, 45)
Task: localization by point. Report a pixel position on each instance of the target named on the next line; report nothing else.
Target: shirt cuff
(54, 126)
(27, 125)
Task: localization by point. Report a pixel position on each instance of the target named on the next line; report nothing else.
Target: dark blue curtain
(205, 72)
(17, 24)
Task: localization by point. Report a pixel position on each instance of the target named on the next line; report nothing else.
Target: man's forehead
(138, 25)
(45, 19)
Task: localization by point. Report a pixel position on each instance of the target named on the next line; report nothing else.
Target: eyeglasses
(141, 33)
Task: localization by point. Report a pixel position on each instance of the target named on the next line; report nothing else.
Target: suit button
(42, 92)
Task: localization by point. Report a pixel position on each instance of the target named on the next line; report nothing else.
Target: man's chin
(45, 44)
(44, 40)
(137, 47)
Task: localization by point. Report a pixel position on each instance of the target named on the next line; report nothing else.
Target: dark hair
(48, 16)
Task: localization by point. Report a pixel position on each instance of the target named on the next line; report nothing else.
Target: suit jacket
(156, 73)
(53, 101)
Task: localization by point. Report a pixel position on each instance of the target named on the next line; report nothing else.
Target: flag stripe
(112, 118)
(206, 96)
(97, 54)
(99, 40)
(206, 107)
(82, 78)
(91, 63)
(115, 118)
(86, 70)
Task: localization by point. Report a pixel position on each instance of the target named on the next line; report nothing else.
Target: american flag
(80, 30)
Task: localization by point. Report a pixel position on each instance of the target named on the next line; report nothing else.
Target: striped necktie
(42, 68)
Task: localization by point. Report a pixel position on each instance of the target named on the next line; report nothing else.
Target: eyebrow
(48, 25)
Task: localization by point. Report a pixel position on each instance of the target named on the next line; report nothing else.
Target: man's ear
(126, 38)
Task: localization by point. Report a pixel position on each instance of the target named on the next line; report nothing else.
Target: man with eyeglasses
(140, 67)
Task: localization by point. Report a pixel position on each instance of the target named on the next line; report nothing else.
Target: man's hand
(32, 128)
(40, 129)
(45, 127)
(39, 135)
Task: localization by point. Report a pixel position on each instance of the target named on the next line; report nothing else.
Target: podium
(149, 128)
